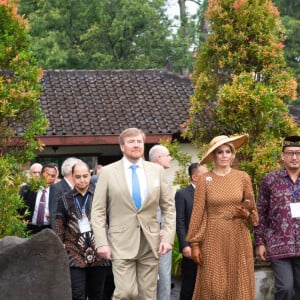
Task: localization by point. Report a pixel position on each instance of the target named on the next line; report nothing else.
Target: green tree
(290, 15)
(242, 82)
(21, 119)
(107, 34)
(186, 37)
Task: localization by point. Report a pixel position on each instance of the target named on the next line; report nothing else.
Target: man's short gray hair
(157, 150)
(67, 165)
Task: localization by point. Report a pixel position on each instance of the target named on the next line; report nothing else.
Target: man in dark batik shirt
(277, 237)
(72, 225)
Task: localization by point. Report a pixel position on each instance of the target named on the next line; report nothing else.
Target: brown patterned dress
(227, 272)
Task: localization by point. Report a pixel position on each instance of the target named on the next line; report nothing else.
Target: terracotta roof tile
(100, 103)
(95, 102)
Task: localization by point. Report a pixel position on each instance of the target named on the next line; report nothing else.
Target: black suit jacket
(29, 198)
(56, 191)
(184, 200)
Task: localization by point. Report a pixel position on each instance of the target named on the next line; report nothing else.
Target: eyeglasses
(292, 153)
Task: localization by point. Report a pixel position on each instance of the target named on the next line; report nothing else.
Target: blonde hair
(130, 132)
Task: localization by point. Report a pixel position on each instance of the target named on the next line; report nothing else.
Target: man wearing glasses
(277, 237)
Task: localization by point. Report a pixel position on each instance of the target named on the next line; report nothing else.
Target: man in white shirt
(38, 201)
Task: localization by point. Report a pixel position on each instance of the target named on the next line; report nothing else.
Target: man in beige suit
(133, 242)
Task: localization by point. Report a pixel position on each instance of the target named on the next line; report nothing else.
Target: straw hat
(220, 140)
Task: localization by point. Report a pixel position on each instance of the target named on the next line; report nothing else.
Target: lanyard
(82, 209)
(293, 192)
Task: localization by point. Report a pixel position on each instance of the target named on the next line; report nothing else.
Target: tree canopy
(21, 119)
(107, 34)
(242, 81)
(290, 15)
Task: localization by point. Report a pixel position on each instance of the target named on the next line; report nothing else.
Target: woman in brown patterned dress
(224, 207)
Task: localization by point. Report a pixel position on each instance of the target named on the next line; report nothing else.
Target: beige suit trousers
(136, 279)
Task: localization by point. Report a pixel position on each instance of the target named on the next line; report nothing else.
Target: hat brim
(237, 142)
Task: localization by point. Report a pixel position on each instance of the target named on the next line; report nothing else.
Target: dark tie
(41, 210)
(136, 191)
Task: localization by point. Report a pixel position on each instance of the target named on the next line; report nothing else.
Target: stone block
(34, 268)
(264, 282)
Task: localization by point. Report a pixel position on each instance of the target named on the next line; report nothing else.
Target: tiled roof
(96, 102)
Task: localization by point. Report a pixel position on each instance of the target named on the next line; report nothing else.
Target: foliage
(176, 259)
(292, 46)
(107, 34)
(35, 183)
(290, 16)
(181, 177)
(187, 37)
(10, 221)
(265, 159)
(242, 82)
(111, 34)
(21, 119)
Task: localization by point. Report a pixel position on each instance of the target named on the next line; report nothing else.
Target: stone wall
(34, 268)
(264, 282)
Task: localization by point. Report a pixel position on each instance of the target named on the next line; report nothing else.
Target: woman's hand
(241, 212)
(196, 253)
(247, 212)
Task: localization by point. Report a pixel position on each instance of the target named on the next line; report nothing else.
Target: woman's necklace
(227, 171)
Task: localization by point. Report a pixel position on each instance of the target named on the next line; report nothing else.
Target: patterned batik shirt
(277, 230)
(80, 247)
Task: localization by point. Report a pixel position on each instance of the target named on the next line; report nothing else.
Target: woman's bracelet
(194, 244)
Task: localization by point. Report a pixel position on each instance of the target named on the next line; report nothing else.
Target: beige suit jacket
(112, 199)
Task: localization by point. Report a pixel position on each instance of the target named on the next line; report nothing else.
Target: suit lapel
(151, 180)
(191, 190)
(50, 204)
(121, 179)
(65, 185)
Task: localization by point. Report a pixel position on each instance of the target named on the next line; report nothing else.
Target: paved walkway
(175, 292)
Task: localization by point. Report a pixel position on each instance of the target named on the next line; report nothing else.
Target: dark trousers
(188, 278)
(88, 282)
(36, 228)
(287, 278)
(109, 283)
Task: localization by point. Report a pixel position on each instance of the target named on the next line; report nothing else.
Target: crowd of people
(118, 226)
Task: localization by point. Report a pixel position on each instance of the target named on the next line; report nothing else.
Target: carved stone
(34, 268)
(264, 282)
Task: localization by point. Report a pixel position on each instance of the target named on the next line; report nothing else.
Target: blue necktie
(136, 191)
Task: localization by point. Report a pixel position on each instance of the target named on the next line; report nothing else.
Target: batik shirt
(80, 247)
(277, 230)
